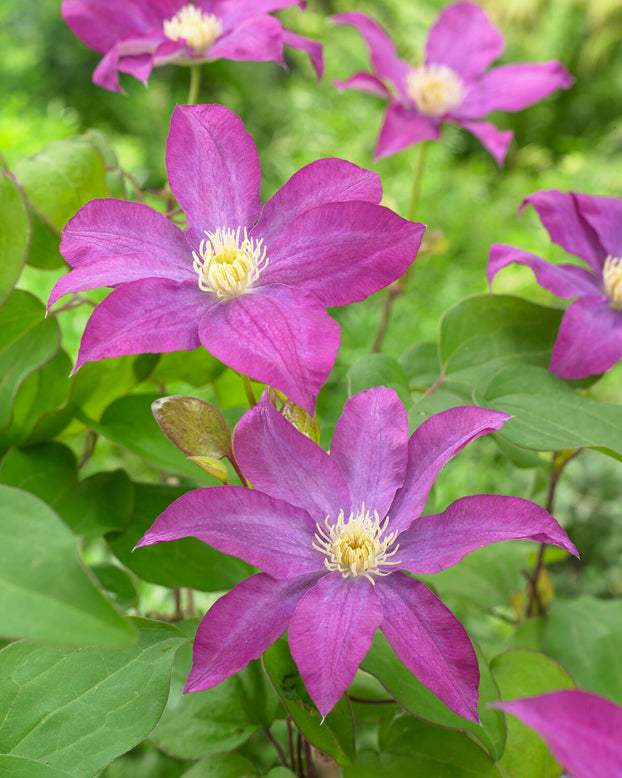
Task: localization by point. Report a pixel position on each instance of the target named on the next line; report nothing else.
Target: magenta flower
(452, 84)
(137, 35)
(581, 729)
(332, 533)
(254, 293)
(590, 227)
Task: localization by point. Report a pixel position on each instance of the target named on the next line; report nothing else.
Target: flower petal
(236, 11)
(513, 87)
(561, 215)
(270, 534)
(330, 633)
(604, 214)
(582, 729)
(343, 252)
(370, 446)
(493, 140)
(589, 340)
(433, 543)
(561, 280)
(321, 182)
(213, 168)
(240, 626)
(382, 52)
(151, 316)
(314, 49)
(431, 446)
(284, 463)
(464, 39)
(431, 642)
(364, 82)
(258, 38)
(403, 127)
(279, 336)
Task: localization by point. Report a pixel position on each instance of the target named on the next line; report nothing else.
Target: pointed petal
(233, 13)
(433, 543)
(213, 168)
(330, 634)
(382, 52)
(343, 252)
(604, 215)
(321, 182)
(581, 729)
(314, 49)
(513, 87)
(464, 39)
(151, 316)
(258, 38)
(431, 642)
(561, 280)
(493, 140)
(270, 534)
(240, 626)
(279, 336)
(403, 127)
(561, 215)
(589, 340)
(370, 446)
(431, 446)
(364, 82)
(279, 460)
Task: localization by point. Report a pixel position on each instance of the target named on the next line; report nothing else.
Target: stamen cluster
(435, 89)
(198, 29)
(612, 279)
(228, 266)
(356, 546)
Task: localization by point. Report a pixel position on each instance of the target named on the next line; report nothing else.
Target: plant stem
(290, 743)
(398, 286)
(277, 746)
(248, 390)
(195, 83)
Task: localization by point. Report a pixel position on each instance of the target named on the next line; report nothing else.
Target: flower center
(356, 545)
(612, 279)
(226, 265)
(435, 89)
(198, 29)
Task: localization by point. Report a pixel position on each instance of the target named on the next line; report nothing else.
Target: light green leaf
(20, 767)
(378, 370)
(15, 234)
(421, 366)
(221, 766)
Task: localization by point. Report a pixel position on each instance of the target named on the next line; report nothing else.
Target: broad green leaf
(45, 592)
(219, 719)
(117, 583)
(280, 772)
(91, 507)
(413, 696)
(27, 341)
(77, 709)
(334, 735)
(21, 767)
(45, 245)
(15, 234)
(197, 368)
(186, 562)
(378, 370)
(421, 366)
(585, 635)
(61, 178)
(525, 674)
(115, 179)
(221, 766)
(196, 427)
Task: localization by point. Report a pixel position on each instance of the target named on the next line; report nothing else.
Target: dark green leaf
(378, 370)
(221, 766)
(197, 368)
(15, 234)
(117, 583)
(421, 366)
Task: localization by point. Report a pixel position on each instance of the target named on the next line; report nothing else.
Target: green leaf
(378, 370)
(197, 368)
(221, 766)
(219, 719)
(186, 562)
(413, 696)
(117, 583)
(77, 709)
(420, 365)
(61, 178)
(15, 234)
(194, 426)
(525, 674)
(45, 593)
(20, 767)
(45, 246)
(334, 735)
(27, 341)
(585, 635)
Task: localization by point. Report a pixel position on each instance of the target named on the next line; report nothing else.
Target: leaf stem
(276, 745)
(195, 83)
(248, 389)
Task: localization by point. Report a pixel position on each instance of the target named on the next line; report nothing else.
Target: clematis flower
(137, 35)
(254, 293)
(452, 84)
(581, 729)
(332, 534)
(590, 227)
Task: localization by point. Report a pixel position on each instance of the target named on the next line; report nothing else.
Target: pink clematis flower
(452, 84)
(581, 729)
(332, 533)
(590, 227)
(136, 35)
(252, 290)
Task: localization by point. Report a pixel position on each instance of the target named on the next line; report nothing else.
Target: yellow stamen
(612, 279)
(356, 546)
(198, 29)
(435, 89)
(228, 266)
